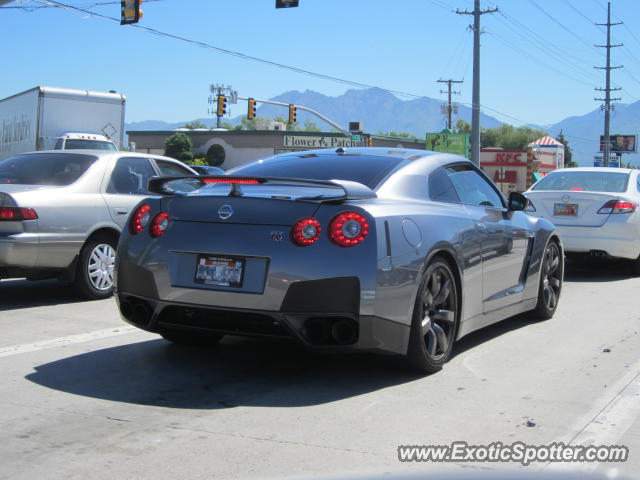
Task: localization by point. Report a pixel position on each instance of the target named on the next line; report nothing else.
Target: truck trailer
(47, 118)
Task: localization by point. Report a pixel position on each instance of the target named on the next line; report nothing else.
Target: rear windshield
(75, 144)
(366, 169)
(587, 181)
(44, 168)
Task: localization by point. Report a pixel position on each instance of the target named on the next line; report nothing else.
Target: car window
(440, 187)
(369, 170)
(638, 182)
(586, 181)
(473, 188)
(75, 144)
(168, 169)
(45, 168)
(131, 176)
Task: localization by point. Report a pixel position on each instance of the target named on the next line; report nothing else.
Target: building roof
(546, 141)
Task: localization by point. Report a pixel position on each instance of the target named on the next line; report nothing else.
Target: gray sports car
(388, 250)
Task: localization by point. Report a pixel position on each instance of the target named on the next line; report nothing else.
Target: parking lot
(84, 394)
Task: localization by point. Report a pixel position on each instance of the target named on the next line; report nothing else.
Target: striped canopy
(546, 141)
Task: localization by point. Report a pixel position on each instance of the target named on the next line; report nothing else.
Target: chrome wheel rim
(438, 312)
(100, 266)
(551, 276)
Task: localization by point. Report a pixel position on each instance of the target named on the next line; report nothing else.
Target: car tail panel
(574, 208)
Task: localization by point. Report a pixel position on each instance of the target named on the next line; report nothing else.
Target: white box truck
(47, 118)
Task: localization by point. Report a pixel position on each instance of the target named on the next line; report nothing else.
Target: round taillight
(140, 219)
(159, 224)
(306, 231)
(348, 229)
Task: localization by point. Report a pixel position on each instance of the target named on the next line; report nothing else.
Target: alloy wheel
(439, 305)
(100, 266)
(551, 276)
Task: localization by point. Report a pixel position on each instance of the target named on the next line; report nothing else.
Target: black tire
(435, 319)
(635, 266)
(191, 338)
(94, 271)
(550, 286)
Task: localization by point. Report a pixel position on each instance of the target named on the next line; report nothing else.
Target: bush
(186, 156)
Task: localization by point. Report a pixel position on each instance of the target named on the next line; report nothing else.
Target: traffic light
(130, 11)
(222, 105)
(251, 109)
(286, 3)
(292, 114)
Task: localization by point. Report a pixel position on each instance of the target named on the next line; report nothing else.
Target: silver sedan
(62, 213)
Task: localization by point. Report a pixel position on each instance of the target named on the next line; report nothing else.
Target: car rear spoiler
(350, 190)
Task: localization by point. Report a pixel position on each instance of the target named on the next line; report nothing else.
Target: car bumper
(616, 239)
(313, 328)
(19, 250)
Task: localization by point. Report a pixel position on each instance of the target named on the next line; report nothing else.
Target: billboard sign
(457, 143)
(621, 143)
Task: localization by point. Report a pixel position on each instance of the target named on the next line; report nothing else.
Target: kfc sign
(508, 157)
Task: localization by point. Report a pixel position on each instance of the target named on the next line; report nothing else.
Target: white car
(595, 210)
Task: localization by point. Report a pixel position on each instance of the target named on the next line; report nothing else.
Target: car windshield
(587, 181)
(44, 168)
(76, 144)
(366, 169)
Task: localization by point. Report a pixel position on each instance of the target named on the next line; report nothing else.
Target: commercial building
(229, 148)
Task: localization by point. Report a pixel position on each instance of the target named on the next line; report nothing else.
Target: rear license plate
(219, 271)
(565, 209)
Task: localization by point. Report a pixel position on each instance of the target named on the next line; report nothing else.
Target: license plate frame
(219, 271)
(565, 209)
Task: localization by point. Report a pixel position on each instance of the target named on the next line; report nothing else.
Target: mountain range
(381, 111)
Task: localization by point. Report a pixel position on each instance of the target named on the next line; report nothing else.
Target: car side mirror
(517, 201)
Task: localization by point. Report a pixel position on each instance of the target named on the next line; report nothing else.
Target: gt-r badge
(225, 211)
(277, 236)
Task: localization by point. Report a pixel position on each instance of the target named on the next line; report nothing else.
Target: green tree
(176, 145)
(195, 124)
(568, 154)
(310, 126)
(509, 137)
(463, 127)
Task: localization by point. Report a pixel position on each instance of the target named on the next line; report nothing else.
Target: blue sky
(537, 55)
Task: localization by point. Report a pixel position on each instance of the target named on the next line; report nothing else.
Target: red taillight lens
(306, 231)
(159, 224)
(348, 229)
(247, 181)
(140, 219)
(17, 214)
(618, 206)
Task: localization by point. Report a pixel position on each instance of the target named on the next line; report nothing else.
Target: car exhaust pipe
(317, 331)
(344, 331)
(126, 309)
(141, 313)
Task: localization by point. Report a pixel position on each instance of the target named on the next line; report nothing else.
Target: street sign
(356, 137)
(457, 143)
(612, 163)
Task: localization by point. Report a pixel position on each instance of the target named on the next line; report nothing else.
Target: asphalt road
(84, 395)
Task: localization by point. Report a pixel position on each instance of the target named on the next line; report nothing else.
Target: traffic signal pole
(306, 109)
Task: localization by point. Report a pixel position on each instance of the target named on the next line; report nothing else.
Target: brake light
(306, 231)
(17, 214)
(348, 229)
(247, 181)
(577, 188)
(159, 224)
(140, 219)
(618, 206)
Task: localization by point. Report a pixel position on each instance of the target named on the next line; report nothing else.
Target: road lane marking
(609, 419)
(64, 341)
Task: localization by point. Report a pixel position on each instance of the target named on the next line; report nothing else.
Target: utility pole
(475, 107)
(607, 107)
(449, 92)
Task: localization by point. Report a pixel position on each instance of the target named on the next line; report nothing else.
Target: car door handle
(121, 211)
